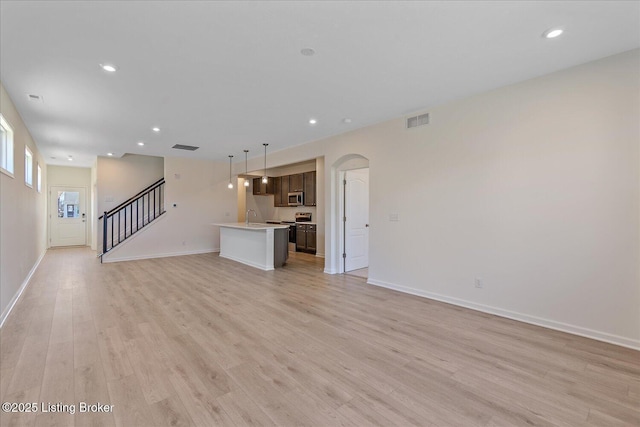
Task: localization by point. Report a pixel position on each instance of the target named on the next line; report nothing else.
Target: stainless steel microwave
(296, 198)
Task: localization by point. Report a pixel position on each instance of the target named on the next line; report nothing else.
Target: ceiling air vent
(413, 122)
(185, 147)
(34, 98)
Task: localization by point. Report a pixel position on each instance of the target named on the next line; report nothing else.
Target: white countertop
(251, 225)
(293, 222)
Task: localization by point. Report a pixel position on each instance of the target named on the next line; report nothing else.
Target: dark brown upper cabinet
(296, 182)
(277, 191)
(310, 188)
(261, 189)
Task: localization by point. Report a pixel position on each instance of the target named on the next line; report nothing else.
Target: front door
(68, 216)
(357, 219)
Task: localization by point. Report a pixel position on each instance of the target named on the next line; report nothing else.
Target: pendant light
(264, 177)
(246, 180)
(230, 186)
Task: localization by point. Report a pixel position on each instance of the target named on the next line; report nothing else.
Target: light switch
(394, 217)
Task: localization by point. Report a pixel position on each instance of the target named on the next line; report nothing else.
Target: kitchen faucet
(246, 217)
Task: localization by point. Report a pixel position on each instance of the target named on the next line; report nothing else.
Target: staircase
(131, 216)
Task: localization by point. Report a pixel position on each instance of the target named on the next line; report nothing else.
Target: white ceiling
(227, 76)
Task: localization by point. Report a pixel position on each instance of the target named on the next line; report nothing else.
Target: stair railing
(130, 216)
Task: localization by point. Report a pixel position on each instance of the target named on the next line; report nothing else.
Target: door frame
(50, 213)
(343, 210)
(334, 262)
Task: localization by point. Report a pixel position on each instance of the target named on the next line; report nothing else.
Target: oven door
(292, 234)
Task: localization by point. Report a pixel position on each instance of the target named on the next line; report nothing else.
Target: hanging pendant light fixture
(246, 179)
(230, 186)
(264, 177)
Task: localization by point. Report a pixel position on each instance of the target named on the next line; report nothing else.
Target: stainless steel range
(303, 216)
(300, 217)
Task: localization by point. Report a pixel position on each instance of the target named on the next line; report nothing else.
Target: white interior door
(68, 216)
(356, 209)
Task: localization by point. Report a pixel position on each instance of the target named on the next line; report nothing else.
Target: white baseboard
(246, 262)
(107, 259)
(538, 321)
(330, 271)
(320, 254)
(18, 294)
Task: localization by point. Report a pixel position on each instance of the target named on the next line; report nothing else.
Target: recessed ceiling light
(307, 51)
(312, 121)
(346, 120)
(109, 154)
(552, 33)
(70, 158)
(140, 143)
(155, 129)
(109, 68)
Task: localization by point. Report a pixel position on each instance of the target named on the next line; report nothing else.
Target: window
(6, 147)
(28, 167)
(68, 204)
(39, 183)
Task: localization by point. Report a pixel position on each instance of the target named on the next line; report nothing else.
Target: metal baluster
(154, 203)
(104, 233)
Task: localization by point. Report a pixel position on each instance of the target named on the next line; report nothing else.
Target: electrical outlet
(394, 217)
(479, 283)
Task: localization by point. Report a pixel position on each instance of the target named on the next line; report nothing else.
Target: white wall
(94, 206)
(66, 176)
(201, 197)
(23, 210)
(533, 187)
(120, 178)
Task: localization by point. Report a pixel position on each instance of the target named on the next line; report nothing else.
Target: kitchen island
(264, 246)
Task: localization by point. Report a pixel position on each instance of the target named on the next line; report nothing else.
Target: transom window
(28, 167)
(39, 182)
(6, 147)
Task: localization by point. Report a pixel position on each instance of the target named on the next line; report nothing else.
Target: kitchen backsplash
(288, 214)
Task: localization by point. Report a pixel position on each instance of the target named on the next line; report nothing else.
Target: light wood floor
(200, 340)
(361, 272)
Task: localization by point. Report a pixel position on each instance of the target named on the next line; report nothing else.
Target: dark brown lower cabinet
(306, 238)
